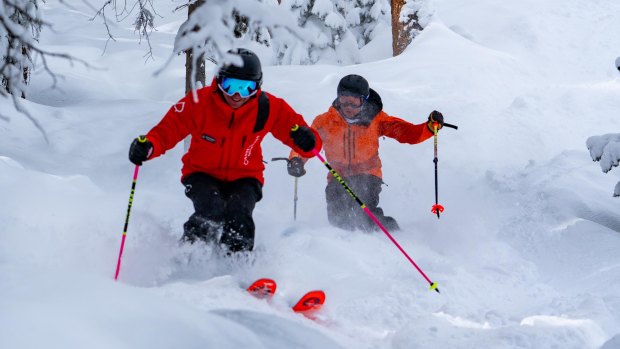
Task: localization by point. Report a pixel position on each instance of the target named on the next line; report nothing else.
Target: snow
(525, 254)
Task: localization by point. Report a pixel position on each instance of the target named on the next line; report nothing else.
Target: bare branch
(143, 24)
(21, 109)
(101, 13)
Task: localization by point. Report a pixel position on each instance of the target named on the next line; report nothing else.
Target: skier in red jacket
(223, 168)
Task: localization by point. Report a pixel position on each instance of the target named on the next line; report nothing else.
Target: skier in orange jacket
(350, 131)
(223, 168)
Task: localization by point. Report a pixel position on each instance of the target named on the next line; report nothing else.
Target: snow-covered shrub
(606, 150)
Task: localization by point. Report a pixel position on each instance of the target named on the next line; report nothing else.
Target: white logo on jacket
(248, 151)
(179, 107)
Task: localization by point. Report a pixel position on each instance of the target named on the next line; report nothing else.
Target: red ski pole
(133, 189)
(433, 285)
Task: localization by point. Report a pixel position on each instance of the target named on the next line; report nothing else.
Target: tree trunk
(200, 75)
(25, 70)
(402, 31)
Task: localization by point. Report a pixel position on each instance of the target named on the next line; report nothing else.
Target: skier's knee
(238, 234)
(198, 227)
(390, 223)
(341, 220)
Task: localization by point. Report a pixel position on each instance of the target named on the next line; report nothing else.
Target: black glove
(140, 150)
(304, 138)
(435, 117)
(295, 167)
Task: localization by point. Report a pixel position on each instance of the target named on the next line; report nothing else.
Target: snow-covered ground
(525, 254)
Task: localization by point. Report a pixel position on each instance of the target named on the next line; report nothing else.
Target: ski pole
(433, 285)
(133, 189)
(295, 200)
(295, 192)
(437, 208)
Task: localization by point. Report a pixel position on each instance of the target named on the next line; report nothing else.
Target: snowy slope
(525, 254)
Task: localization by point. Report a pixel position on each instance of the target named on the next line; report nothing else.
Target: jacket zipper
(349, 145)
(228, 148)
(222, 152)
(354, 144)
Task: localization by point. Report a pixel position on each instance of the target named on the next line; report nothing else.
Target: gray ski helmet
(251, 69)
(353, 85)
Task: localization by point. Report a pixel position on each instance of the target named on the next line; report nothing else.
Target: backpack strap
(263, 112)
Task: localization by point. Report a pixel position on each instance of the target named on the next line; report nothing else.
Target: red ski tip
(310, 302)
(263, 288)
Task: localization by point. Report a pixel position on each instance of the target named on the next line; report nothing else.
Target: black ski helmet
(251, 69)
(353, 85)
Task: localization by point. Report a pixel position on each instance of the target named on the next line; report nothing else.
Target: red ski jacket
(225, 141)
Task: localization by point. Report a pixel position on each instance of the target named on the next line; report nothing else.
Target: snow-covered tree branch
(606, 150)
(20, 25)
(297, 31)
(339, 28)
(215, 27)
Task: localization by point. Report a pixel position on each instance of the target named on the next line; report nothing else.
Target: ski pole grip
(445, 124)
(285, 159)
(142, 139)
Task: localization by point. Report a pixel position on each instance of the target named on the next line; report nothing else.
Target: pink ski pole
(133, 189)
(433, 285)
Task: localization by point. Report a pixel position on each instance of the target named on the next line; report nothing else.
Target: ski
(310, 302)
(263, 288)
(306, 305)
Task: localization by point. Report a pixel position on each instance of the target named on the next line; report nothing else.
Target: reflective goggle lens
(245, 88)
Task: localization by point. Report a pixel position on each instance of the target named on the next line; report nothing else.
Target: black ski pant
(345, 213)
(222, 209)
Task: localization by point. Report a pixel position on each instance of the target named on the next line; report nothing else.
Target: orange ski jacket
(353, 149)
(225, 143)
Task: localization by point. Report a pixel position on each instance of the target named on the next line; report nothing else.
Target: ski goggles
(245, 88)
(349, 102)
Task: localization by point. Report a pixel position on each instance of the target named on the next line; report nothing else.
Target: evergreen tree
(363, 16)
(339, 28)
